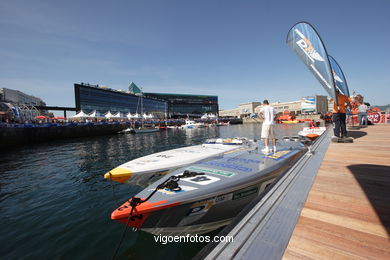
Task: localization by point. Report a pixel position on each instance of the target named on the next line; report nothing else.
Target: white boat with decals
(147, 169)
(312, 133)
(204, 196)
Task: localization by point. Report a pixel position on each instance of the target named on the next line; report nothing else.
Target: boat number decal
(232, 166)
(278, 155)
(202, 180)
(213, 171)
(245, 193)
(171, 192)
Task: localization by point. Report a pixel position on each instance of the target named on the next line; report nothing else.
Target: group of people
(340, 110)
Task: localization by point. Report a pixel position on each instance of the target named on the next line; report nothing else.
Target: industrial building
(306, 105)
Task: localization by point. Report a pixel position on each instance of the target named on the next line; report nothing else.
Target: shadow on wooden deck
(356, 134)
(375, 181)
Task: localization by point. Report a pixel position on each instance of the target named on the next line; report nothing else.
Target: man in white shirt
(267, 113)
(362, 114)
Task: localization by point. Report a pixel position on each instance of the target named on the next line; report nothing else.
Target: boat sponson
(140, 212)
(118, 174)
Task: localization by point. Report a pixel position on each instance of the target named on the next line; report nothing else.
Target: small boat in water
(190, 124)
(312, 133)
(206, 195)
(147, 169)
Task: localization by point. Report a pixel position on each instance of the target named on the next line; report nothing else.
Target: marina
(189, 130)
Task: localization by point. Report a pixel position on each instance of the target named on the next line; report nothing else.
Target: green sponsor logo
(244, 193)
(213, 171)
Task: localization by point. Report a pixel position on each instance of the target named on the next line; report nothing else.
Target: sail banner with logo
(339, 78)
(307, 44)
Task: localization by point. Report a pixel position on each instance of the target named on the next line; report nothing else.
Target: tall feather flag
(307, 44)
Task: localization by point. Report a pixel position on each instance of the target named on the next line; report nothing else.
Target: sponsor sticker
(278, 155)
(172, 192)
(200, 207)
(164, 156)
(202, 179)
(227, 165)
(245, 192)
(213, 171)
(222, 198)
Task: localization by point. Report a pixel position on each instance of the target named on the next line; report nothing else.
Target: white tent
(145, 115)
(117, 115)
(95, 114)
(136, 115)
(108, 115)
(129, 116)
(80, 114)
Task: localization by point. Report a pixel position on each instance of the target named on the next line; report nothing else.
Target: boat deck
(347, 212)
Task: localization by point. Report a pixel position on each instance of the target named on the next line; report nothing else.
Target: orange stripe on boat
(140, 213)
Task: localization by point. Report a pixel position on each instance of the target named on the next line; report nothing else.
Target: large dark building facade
(193, 105)
(102, 99)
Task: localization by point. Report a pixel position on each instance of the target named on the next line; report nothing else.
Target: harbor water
(55, 203)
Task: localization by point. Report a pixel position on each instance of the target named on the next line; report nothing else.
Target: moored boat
(146, 169)
(207, 195)
(312, 133)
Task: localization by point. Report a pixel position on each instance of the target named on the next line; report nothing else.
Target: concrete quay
(19, 136)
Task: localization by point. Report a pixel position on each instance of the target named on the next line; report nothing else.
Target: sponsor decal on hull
(278, 155)
(245, 193)
(172, 192)
(213, 171)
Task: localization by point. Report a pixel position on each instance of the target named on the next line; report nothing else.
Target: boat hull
(212, 199)
(147, 169)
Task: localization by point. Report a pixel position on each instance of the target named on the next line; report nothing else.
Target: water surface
(55, 203)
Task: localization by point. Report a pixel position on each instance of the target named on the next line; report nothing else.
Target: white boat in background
(190, 124)
(146, 169)
(312, 133)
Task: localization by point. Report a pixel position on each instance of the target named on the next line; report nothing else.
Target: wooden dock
(347, 212)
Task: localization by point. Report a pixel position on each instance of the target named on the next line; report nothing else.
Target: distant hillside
(383, 108)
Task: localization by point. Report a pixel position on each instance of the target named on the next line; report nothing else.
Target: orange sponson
(312, 136)
(140, 212)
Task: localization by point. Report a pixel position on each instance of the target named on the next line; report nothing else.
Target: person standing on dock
(362, 115)
(267, 113)
(339, 115)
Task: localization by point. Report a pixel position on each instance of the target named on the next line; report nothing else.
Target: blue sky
(233, 49)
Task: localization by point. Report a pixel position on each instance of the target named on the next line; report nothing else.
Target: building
(235, 112)
(246, 109)
(19, 98)
(306, 105)
(103, 99)
(17, 106)
(180, 105)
